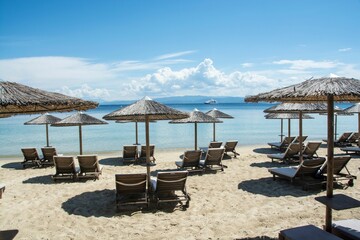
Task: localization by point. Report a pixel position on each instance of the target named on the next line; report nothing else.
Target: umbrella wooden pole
(47, 135)
(80, 140)
(214, 132)
(195, 136)
(289, 127)
(330, 161)
(335, 129)
(147, 150)
(136, 133)
(300, 136)
(281, 131)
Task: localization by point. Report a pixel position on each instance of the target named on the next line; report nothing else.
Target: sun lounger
(289, 155)
(354, 138)
(131, 189)
(355, 150)
(31, 157)
(342, 140)
(190, 161)
(230, 147)
(130, 153)
(213, 158)
(65, 168)
(48, 156)
(347, 229)
(282, 145)
(171, 187)
(310, 149)
(308, 232)
(297, 139)
(213, 144)
(142, 155)
(340, 163)
(89, 166)
(308, 167)
(2, 189)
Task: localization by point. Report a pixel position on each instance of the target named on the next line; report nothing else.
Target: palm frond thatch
(218, 114)
(297, 107)
(197, 117)
(16, 98)
(43, 119)
(145, 107)
(313, 90)
(286, 116)
(77, 119)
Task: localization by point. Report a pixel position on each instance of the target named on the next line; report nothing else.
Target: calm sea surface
(249, 127)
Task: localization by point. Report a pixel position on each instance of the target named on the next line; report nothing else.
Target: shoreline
(241, 202)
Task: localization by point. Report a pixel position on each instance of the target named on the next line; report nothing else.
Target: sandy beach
(243, 202)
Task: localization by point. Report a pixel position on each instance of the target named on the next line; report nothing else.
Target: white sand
(241, 202)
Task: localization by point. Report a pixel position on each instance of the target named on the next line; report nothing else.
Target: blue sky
(117, 50)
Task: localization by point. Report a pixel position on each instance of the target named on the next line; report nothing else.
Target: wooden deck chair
(131, 189)
(289, 155)
(130, 153)
(142, 154)
(342, 140)
(282, 145)
(190, 161)
(215, 144)
(308, 167)
(297, 139)
(89, 166)
(340, 163)
(354, 138)
(310, 149)
(171, 187)
(31, 157)
(213, 158)
(65, 168)
(230, 147)
(48, 156)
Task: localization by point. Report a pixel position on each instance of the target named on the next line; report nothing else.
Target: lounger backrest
(339, 163)
(297, 139)
(310, 166)
(171, 181)
(49, 153)
(286, 141)
(344, 136)
(311, 148)
(230, 145)
(130, 183)
(88, 163)
(143, 151)
(191, 158)
(292, 149)
(215, 144)
(30, 154)
(214, 156)
(130, 151)
(64, 164)
(353, 137)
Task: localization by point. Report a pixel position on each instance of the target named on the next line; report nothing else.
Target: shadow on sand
(270, 188)
(257, 238)
(13, 165)
(46, 179)
(114, 161)
(265, 150)
(268, 164)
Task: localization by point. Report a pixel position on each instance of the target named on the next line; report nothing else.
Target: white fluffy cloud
(307, 64)
(85, 91)
(344, 49)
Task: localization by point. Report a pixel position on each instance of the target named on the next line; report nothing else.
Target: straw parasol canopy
(136, 128)
(79, 119)
(217, 114)
(355, 109)
(44, 119)
(197, 117)
(287, 116)
(16, 98)
(327, 89)
(146, 110)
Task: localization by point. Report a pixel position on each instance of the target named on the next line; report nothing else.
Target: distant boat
(211, 101)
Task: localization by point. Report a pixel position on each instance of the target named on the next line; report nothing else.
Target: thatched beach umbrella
(217, 114)
(197, 117)
(44, 119)
(287, 116)
(146, 110)
(318, 90)
(16, 98)
(136, 128)
(79, 119)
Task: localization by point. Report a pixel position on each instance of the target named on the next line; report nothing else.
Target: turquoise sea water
(249, 127)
